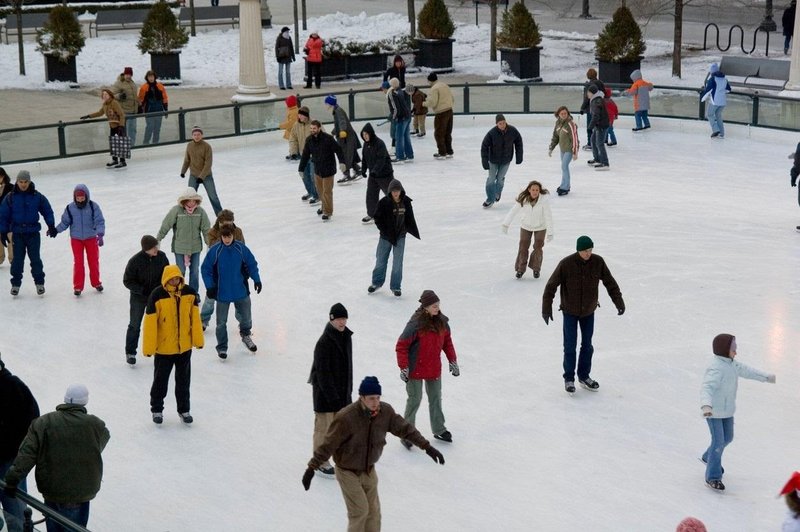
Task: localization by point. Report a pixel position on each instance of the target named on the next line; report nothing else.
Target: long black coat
(17, 409)
(332, 371)
(375, 156)
(597, 106)
(143, 273)
(323, 150)
(284, 49)
(498, 147)
(384, 217)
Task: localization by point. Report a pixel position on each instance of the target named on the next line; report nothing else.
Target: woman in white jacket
(536, 223)
(718, 400)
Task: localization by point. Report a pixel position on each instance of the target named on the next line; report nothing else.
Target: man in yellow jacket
(172, 327)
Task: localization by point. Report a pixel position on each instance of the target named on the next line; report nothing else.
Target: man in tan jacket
(297, 141)
(440, 102)
(198, 161)
(126, 91)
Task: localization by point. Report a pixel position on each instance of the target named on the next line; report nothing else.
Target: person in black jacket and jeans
(375, 158)
(284, 53)
(497, 151)
(331, 376)
(394, 218)
(599, 126)
(142, 276)
(322, 149)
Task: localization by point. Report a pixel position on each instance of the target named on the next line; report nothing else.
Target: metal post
(351, 105)
(476, 12)
(181, 125)
(768, 24)
(466, 98)
(526, 98)
(62, 140)
(237, 119)
(754, 119)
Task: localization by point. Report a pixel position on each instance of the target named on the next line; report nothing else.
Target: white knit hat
(77, 394)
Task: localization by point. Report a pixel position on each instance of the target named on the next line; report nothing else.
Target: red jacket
(613, 111)
(420, 351)
(314, 47)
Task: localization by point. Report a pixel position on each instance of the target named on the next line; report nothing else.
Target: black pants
(315, 71)
(183, 376)
(374, 184)
(138, 304)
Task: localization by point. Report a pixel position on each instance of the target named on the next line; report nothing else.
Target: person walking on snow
(356, 440)
(537, 223)
(284, 53)
(112, 110)
(126, 92)
(300, 132)
(640, 90)
(189, 224)
(87, 227)
(599, 125)
(379, 165)
(198, 160)
(715, 95)
(718, 400)
(565, 136)
(346, 136)
(498, 148)
(578, 275)
(323, 150)
(440, 103)
(331, 376)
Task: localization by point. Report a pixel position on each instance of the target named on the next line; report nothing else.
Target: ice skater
(500, 145)
(715, 95)
(537, 223)
(565, 136)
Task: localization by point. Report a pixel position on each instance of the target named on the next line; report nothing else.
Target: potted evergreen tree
(435, 45)
(518, 41)
(163, 37)
(619, 47)
(60, 40)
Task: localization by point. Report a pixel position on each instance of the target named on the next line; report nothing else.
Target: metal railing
(49, 513)
(70, 139)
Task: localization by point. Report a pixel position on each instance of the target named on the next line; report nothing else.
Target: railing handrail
(48, 512)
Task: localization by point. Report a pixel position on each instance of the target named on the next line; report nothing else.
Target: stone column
(252, 74)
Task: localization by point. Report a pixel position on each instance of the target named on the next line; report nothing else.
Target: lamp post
(768, 24)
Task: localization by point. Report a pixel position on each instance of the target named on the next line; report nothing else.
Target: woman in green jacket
(189, 223)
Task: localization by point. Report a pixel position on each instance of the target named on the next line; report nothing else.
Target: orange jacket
(314, 47)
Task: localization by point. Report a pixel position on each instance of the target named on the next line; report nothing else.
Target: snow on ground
(211, 59)
(698, 233)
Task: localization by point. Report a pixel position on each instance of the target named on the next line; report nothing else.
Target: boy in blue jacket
(226, 269)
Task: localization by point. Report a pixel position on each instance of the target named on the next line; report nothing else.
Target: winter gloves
(435, 455)
(621, 310)
(547, 316)
(85, 117)
(52, 232)
(343, 134)
(404, 374)
(771, 379)
(100, 239)
(211, 292)
(454, 369)
(183, 176)
(706, 410)
(258, 287)
(307, 476)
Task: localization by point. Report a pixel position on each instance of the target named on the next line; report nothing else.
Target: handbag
(120, 146)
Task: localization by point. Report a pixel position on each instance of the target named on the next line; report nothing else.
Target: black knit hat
(370, 386)
(432, 76)
(583, 243)
(304, 111)
(149, 242)
(338, 311)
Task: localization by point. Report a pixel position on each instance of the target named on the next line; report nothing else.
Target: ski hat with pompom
(330, 99)
(691, 524)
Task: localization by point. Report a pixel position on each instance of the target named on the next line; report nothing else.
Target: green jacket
(190, 230)
(65, 447)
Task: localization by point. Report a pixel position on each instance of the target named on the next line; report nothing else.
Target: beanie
(76, 394)
(291, 100)
(128, 70)
(592, 88)
(691, 524)
(23, 175)
(721, 346)
(149, 242)
(713, 68)
(395, 83)
(394, 184)
(330, 99)
(584, 242)
(370, 386)
(285, 28)
(338, 311)
(304, 111)
(197, 128)
(428, 298)
(499, 118)
(432, 77)
(385, 85)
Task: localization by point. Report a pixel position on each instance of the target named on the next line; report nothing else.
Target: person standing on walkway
(440, 103)
(397, 70)
(300, 132)
(6, 186)
(331, 376)
(536, 224)
(419, 351)
(112, 110)
(66, 449)
(346, 136)
(197, 160)
(126, 92)
(154, 102)
(599, 125)
(379, 165)
(578, 275)
(787, 21)
(284, 53)
(498, 148)
(356, 440)
(715, 95)
(565, 136)
(394, 218)
(640, 90)
(591, 79)
(322, 150)
(189, 224)
(18, 408)
(142, 276)
(171, 329)
(313, 51)
(19, 224)
(87, 226)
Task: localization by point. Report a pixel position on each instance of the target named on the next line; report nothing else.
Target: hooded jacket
(585, 103)
(17, 409)
(597, 107)
(717, 88)
(189, 230)
(399, 104)
(126, 91)
(227, 268)
(291, 116)
(172, 318)
(314, 49)
(640, 89)
(375, 155)
(395, 219)
(332, 371)
(498, 147)
(579, 280)
(420, 351)
(322, 150)
(85, 220)
(19, 212)
(721, 382)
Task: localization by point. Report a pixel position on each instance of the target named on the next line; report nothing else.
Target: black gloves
(434, 454)
(548, 317)
(166, 107)
(122, 96)
(308, 475)
(621, 310)
(454, 369)
(51, 231)
(794, 172)
(183, 176)
(211, 293)
(258, 287)
(10, 491)
(84, 117)
(4, 239)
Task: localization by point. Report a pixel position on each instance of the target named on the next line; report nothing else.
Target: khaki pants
(325, 190)
(419, 124)
(322, 421)
(443, 132)
(10, 250)
(433, 389)
(360, 492)
(535, 262)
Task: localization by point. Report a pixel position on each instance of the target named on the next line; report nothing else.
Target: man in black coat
(788, 25)
(17, 409)
(497, 150)
(394, 217)
(599, 126)
(142, 276)
(323, 150)
(377, 161)
(331, 375)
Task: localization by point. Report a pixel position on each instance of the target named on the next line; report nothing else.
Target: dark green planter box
(435, 54)
(366, 65)
(167, 67)
(57, 70)
(521, 62)
(618, 72)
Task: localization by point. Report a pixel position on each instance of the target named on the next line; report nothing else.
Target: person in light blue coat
(715, 94)
(718, 400)
(87, 227)
(226, 269)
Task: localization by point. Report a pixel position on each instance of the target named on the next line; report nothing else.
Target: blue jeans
(610, 136)
(721, 435)
(243, 316)
(138, 305)
(194, 268)
(29, 243)
(570, 328)
(285, 75)
(402, 137)
(152, 128)
(382, 259)
(77, 513)
(13, 507)
(642, 120)
(495, 181)
(211, 190)
(130, 129)
(208, 309)
(566, 158)
(714, 115)
(599, 145)
(308, 181)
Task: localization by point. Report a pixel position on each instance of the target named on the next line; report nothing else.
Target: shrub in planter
(163, 37)
(619, 47)
(519, 40)
(436, 27)
(60, 40)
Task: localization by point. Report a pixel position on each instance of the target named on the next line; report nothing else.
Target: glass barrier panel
(28, 144)
(547, 98)
(371, 106)
(783, 114)
(506, 98)
(214, 122)
(673, 103)
(318, 109)
(84, 138)
(739, 109)
(157, 128)
(262, 115)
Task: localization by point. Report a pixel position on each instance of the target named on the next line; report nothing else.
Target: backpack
(69, 214)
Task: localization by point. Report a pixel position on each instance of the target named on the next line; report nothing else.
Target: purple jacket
(84, 221)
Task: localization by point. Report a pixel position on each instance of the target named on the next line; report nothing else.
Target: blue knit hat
(330, 99)
(370, 386)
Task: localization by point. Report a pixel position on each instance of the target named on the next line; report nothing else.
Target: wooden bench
(210, 16)
(118, 19)
(31, 23)
(755, 72)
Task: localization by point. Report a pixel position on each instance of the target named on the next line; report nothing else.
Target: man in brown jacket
(198, 161)
(579, 275)
(356, 439)
(126, 91)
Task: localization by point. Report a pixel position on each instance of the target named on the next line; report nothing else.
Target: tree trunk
(585, 10)
(192, 28)
(296, 28)
(412, 19)
(305, 21)
(20, 48)
(493, 31)
(677, 39)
